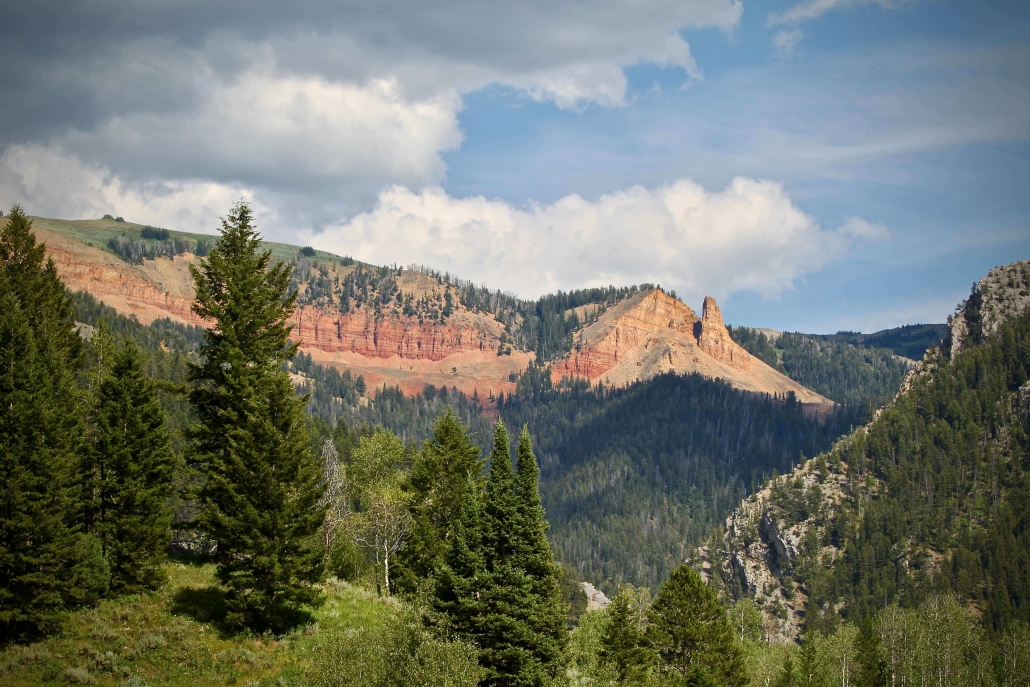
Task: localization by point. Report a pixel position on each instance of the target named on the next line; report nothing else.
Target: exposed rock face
(761, 544)
(388, 348)
(596, 599)
(1004, 293)
(715, 340)
(652, 333)
(364, 333)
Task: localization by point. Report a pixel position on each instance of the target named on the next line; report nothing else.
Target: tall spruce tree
(261, 483)
(44, 564)
(519, 626)
(533, 555)
(505, 635)
(457, 599)
(622, 641)
(439, 478)
(689, 632)
(128, 472)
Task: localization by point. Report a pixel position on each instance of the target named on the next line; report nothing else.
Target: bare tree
(336, 500)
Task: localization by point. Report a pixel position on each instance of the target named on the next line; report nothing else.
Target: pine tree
(33, 279)
(439, 476)
(128, 475)
(533, 555)
(457, 595)
(689, 632)
(45, 565)
(261, 486)
(622, 641)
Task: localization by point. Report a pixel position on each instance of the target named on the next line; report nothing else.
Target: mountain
(412, 327)
(931, 495)
(653, 333)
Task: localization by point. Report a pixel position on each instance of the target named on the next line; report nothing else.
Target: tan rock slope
(646, 335)
(652, 333)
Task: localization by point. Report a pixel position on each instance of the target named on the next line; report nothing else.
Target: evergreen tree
(44, 564)
(533, 555)
(261, 487)
(457, 594)
(622, 641)
(691, 635)
(33, 279)
(438, 481)
(128, 474)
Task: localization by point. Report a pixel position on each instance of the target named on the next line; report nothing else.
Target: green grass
(98, 232)
(173, 637)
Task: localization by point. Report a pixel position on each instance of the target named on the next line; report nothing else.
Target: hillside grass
(174, 637)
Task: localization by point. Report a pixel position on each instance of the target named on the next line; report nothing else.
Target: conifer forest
(209, 504)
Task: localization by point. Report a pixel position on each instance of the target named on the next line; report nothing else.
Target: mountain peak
(652, 333)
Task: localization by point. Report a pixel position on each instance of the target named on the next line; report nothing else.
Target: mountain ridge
(409, 328)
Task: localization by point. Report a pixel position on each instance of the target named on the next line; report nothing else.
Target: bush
(110, 217)
(119, 219)
(397, 653)
(307, 251)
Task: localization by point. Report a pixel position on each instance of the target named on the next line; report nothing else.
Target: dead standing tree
(337, 497)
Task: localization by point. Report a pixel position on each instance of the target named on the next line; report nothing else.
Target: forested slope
(855, 374)
(931, 496)
(633, 478)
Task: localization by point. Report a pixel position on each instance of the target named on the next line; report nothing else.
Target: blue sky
(815, 164)
(954, 207)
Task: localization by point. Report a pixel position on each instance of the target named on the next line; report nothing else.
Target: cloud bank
(748, 237)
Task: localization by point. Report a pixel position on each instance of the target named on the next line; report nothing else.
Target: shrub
(398, 653)
(308, 251)
(150, 232)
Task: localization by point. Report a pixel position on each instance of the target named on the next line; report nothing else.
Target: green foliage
(499, 587)
(397, 653)
(127, 470)
(43, 564)
(632, 478)
(621, 647)
(690, 634)
(382, 521)
(840, 368)
(438, 482)
(746, 620)
(261, 487)
(947, 464)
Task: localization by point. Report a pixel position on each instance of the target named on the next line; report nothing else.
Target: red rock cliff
(715, 339)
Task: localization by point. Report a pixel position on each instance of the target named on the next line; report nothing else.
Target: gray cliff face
(765, 537)
(1004, 293)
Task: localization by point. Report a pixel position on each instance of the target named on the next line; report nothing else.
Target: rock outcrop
(652, 333)
(1002, 294)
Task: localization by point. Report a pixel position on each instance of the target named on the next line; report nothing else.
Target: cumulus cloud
(748, 237)
(315, 105)
(290, 134)
(49, 183)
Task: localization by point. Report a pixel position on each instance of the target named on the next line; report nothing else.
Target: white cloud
(858, 228)
(813, 9)
(49, 183)
(786, 41)
(288, 134)
(748, 237)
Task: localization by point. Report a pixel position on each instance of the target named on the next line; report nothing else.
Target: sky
(815, 165)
